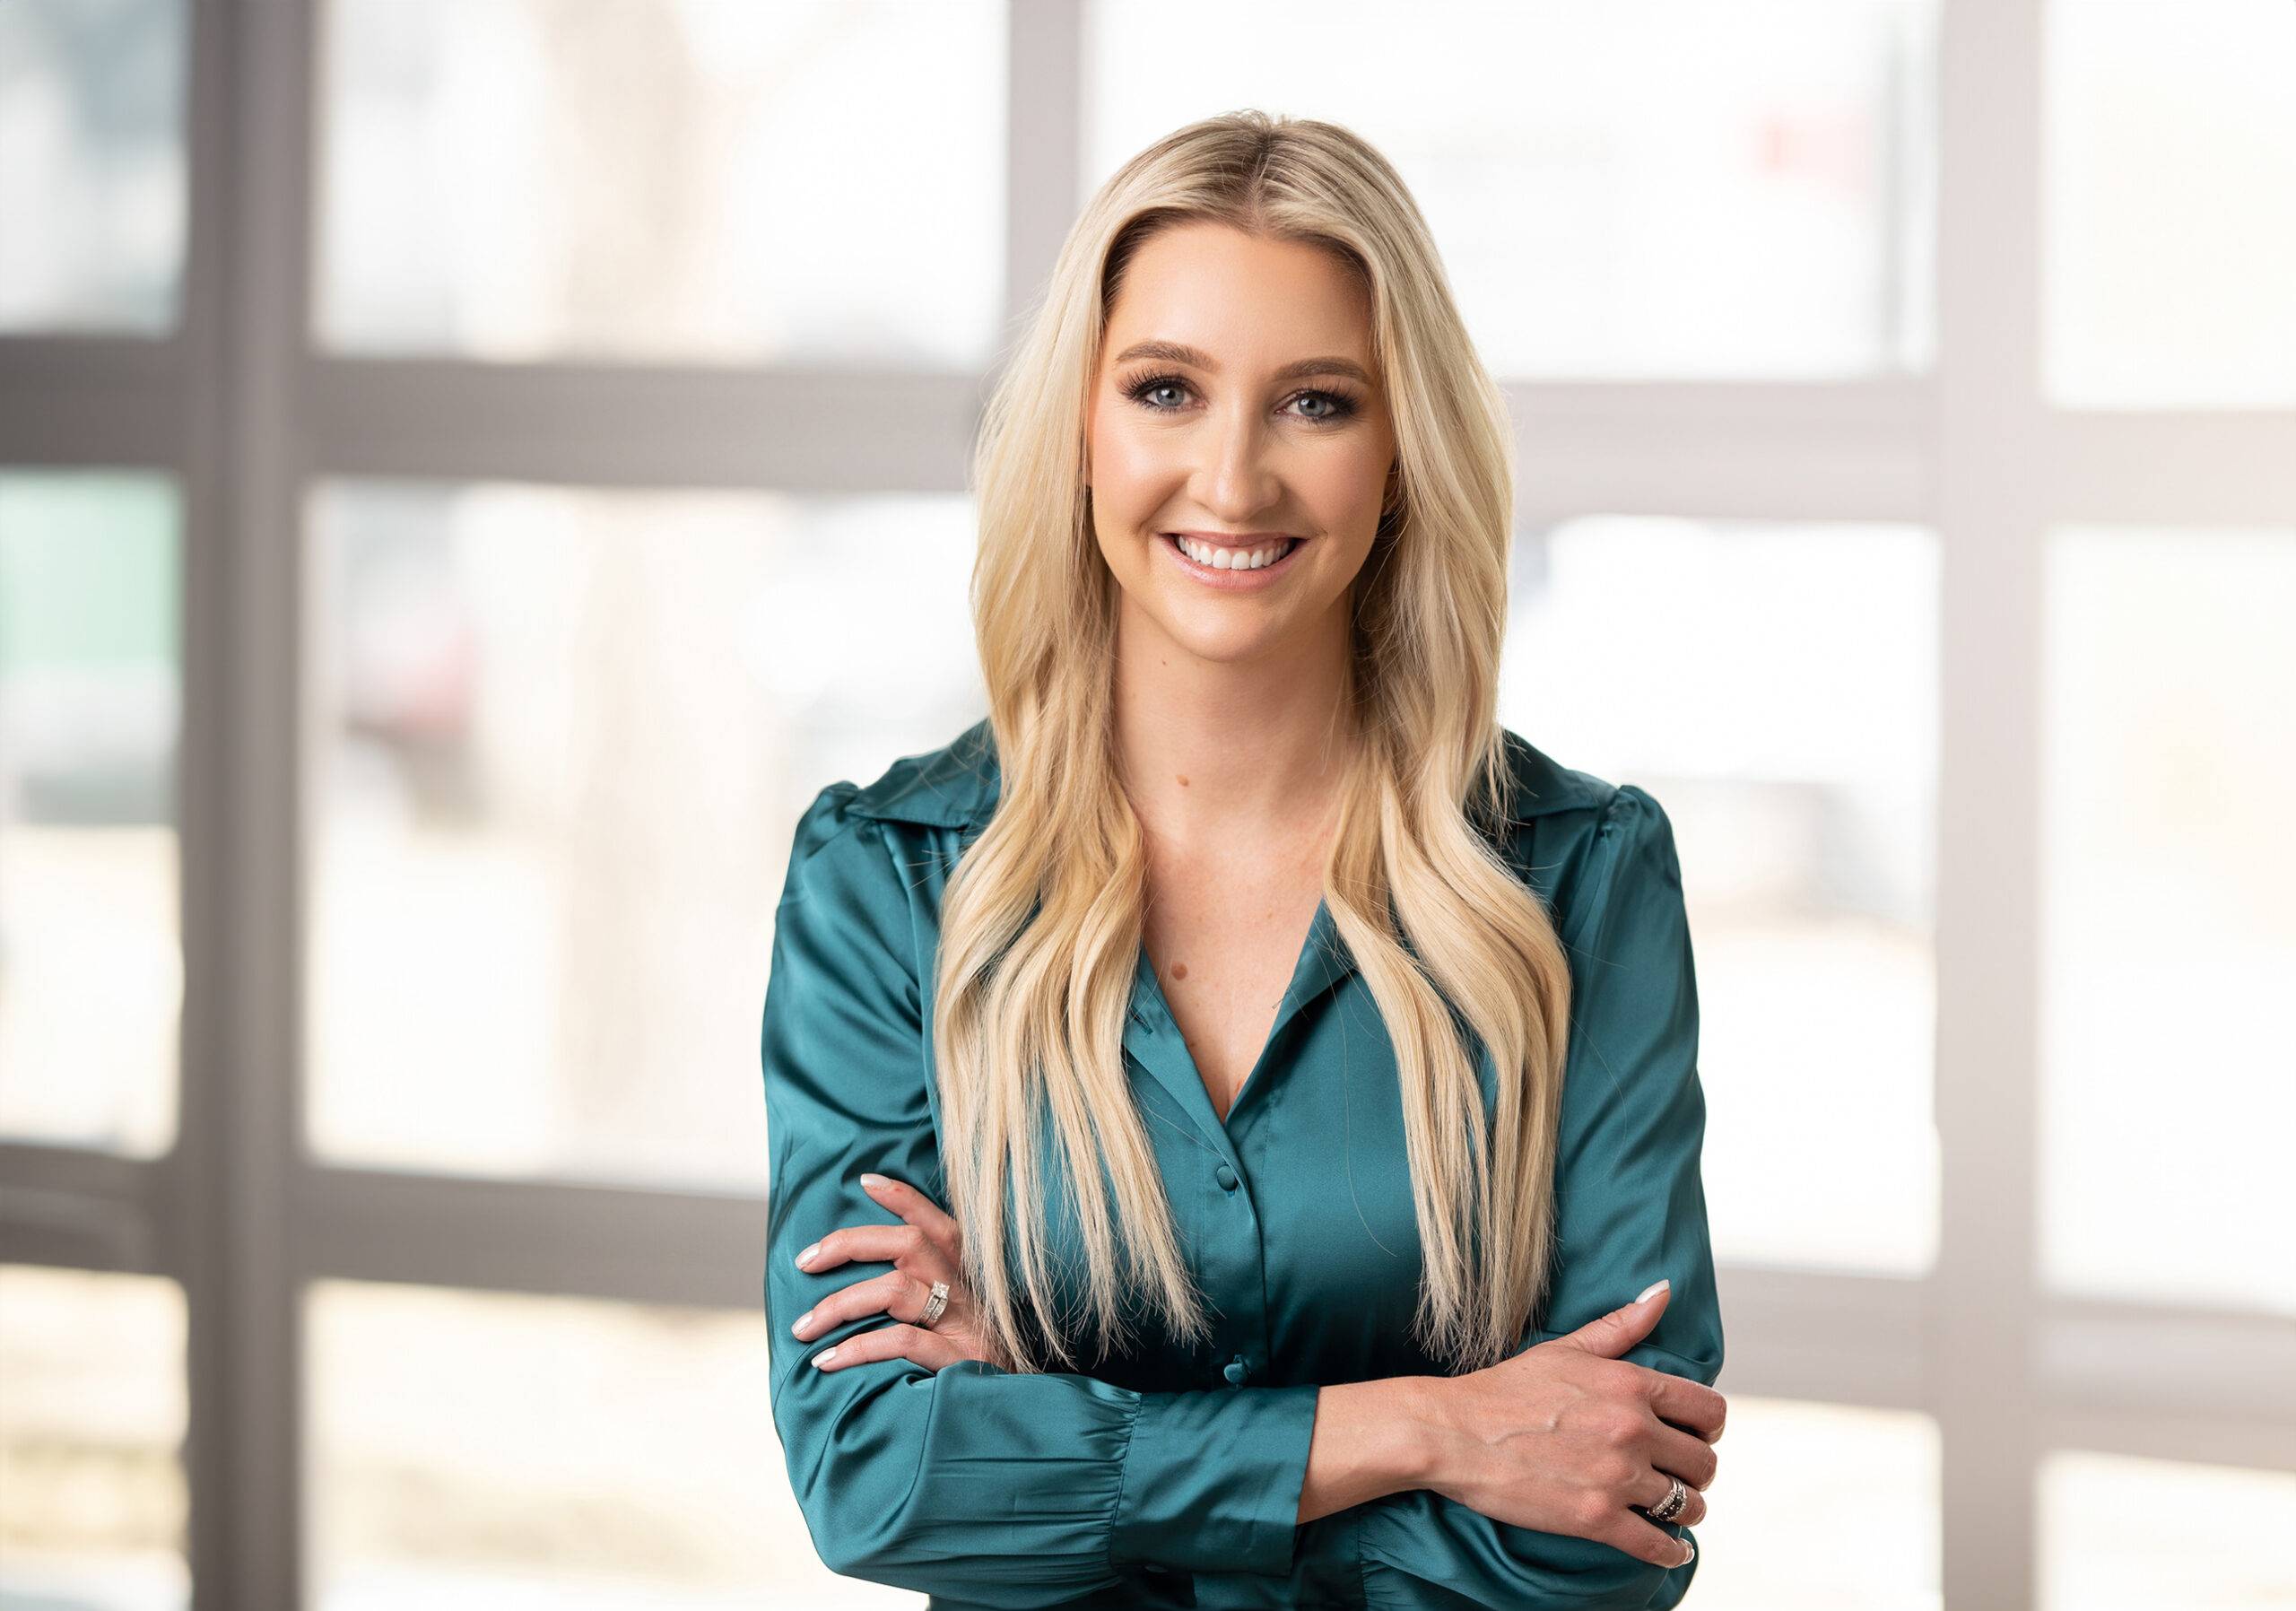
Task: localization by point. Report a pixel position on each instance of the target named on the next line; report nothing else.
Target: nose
(1240, 478)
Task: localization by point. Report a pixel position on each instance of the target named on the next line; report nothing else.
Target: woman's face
(1236, 399)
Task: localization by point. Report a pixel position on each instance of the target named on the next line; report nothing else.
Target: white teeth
(1231, 559)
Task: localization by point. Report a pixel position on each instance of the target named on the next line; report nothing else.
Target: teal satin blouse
(1171, 1477)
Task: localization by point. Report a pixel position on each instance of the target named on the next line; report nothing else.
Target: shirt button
(1226, 1177)
(1237, 1371)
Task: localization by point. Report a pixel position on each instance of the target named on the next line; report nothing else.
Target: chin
(1203, 636)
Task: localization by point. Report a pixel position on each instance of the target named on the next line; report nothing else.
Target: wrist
(1372, 1439)
(1424, 1429)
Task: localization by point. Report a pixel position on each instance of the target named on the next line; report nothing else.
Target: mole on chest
(1225, 1004)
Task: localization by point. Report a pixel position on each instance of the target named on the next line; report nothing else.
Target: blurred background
(451, 452)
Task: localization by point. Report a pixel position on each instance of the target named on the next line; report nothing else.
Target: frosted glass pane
(93, 1504)
(563, 740)
(2119, 1534)
(2170, 205)
(2168, 1084)
(91, 695)
(92, 165)
(473, 1452)
(1641, 188)
(1775, 688)
(1817, 1506)
(804, 181)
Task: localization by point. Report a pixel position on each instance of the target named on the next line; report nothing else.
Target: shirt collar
(958, 785)
(953, 787)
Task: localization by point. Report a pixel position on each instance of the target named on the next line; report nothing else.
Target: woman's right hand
(1566, 1436)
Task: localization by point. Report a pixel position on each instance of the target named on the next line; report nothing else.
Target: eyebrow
(1173, 352)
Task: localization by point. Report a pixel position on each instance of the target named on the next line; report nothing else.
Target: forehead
(1247, 302)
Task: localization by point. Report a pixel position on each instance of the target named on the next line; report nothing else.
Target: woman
(1364, 1308)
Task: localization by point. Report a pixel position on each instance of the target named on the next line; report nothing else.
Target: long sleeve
(998, 1488)
(1631, 1208)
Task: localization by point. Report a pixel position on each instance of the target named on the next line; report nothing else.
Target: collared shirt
(1171, 1475)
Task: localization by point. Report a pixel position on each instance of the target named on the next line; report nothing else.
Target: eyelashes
(1342, 406)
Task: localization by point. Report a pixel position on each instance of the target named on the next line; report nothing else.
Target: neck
(1224, 754)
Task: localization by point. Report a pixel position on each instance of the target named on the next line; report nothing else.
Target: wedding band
(937, 1302)
(1669, 1507)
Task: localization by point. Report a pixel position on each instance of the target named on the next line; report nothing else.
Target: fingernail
(873, 1181)
(1690, 1552)
(824, 1356)
(806, 1256)
(802, 1322)
(1645, 1295)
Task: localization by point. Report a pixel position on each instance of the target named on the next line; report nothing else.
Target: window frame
(237, 406)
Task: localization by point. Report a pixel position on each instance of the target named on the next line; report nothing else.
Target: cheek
(1352, 489)
(1125, 498)
(1130, 468)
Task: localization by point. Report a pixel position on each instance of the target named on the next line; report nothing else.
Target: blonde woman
(1373, 1029)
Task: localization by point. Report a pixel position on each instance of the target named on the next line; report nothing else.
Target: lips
(1236, 547)
(1241, 539)
(1232, 581)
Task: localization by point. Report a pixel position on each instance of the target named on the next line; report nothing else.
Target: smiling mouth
(1215, 557)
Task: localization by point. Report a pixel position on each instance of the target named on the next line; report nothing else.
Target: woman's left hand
(926, 1249)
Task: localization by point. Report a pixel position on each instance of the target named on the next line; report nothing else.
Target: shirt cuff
(1212, 1479)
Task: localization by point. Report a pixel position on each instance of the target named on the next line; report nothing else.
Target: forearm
(1372, 1439)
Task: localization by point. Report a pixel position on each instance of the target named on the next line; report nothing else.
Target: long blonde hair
(1041, 922)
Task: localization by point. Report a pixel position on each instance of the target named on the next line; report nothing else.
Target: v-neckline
(1152, 1034)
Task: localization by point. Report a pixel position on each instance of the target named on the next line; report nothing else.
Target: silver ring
(935, 1305)
(1677, 1497)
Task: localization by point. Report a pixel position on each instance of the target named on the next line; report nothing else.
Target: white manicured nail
(1646, 1293)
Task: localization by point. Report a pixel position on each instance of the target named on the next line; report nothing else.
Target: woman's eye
(1330, 409)
(1325, 408)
